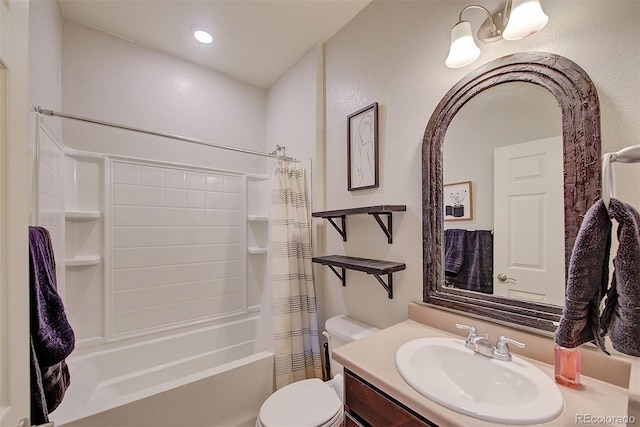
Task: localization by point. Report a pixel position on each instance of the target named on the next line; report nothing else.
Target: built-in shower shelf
(375, 211)
(83, 261)
(256, 250)
(82, 215)
(370, 266)
(257, 218)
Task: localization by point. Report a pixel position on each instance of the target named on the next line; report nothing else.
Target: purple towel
(621, 315)
(587, 281)
(52, 338)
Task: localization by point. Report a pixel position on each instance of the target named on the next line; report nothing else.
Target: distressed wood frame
(578, 101)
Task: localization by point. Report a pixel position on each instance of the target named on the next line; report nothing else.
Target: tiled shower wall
(48, 211)
(177, 238)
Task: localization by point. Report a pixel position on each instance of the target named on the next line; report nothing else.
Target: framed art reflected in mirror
(458, 201)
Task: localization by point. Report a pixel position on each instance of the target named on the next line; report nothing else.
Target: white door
(14, 190)
(529, 221)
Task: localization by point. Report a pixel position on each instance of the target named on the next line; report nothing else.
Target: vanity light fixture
(518, 19)
(202, 36)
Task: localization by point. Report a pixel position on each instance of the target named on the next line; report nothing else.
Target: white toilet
(313, 403)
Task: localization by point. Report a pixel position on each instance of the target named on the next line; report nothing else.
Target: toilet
(312, 402)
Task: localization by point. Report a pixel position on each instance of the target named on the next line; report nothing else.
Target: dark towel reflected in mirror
(468, 260)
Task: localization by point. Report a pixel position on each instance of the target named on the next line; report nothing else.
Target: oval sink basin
(450, 374)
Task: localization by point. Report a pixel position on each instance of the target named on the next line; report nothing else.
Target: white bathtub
(205, 377)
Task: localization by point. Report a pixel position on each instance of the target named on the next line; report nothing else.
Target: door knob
(503, 277)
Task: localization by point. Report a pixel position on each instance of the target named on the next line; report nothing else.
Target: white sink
(450, 374)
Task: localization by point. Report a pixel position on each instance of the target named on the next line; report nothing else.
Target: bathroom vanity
(376, 394)
(366, 404)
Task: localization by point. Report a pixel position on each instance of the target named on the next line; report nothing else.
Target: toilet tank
(341, 330)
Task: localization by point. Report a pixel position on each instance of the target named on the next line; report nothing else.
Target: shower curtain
(295, 320)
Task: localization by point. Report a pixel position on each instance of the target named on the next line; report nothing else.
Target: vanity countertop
(373, 359)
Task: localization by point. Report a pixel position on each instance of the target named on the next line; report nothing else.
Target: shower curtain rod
(165, 135)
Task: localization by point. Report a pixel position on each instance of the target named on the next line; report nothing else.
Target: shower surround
(162, 267)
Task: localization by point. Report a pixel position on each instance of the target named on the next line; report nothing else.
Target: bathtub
(205, 377)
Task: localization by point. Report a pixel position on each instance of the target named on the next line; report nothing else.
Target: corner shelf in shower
(370, 266)
(375, 211)
(256, 250)
(83, 261)
(258, 235)
(82, 215)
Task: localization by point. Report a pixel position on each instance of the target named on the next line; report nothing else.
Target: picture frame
(457, 199)
(362, 148)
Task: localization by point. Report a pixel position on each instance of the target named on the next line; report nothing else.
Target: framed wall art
(362, 148)
(457, 201)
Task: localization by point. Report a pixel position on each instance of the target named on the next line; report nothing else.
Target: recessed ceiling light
(202, 36)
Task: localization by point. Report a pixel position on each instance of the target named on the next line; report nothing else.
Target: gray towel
(454, 241)
(621, 315)
(587, 281)
(476, 271)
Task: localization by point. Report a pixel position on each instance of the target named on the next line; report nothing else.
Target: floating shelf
(82, 261)
(256, 250)
(375, 211)
(257, 218)
(369, 266)
(82, 215)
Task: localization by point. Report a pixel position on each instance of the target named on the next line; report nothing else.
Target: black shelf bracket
(343, 277)
(343, 231)
(387, 286)
(388, 228)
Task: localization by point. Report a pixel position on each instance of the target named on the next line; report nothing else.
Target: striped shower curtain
(295, 320)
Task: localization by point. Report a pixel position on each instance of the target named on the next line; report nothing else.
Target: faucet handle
(473, 333)
(502, 351)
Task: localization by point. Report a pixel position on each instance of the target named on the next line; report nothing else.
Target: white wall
(45, 58)
(291, 109)
(111, 79)
(393, 53)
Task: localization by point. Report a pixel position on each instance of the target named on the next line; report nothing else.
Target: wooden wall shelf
(375, 211)
(369, 266)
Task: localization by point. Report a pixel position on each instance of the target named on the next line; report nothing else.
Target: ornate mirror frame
(578, 101)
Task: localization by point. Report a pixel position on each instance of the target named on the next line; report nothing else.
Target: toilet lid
(306, 403)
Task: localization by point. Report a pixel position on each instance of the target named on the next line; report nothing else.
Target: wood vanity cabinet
(365, 405)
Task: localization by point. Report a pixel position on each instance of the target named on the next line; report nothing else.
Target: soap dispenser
(567, 366)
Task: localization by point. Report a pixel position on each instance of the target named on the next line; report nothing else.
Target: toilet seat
(308, 403)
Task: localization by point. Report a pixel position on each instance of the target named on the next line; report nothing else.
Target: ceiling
(255, 41)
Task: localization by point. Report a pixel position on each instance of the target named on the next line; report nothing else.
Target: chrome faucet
(482, 345)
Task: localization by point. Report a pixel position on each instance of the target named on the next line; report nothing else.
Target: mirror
(506, 144)
(576, 96)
